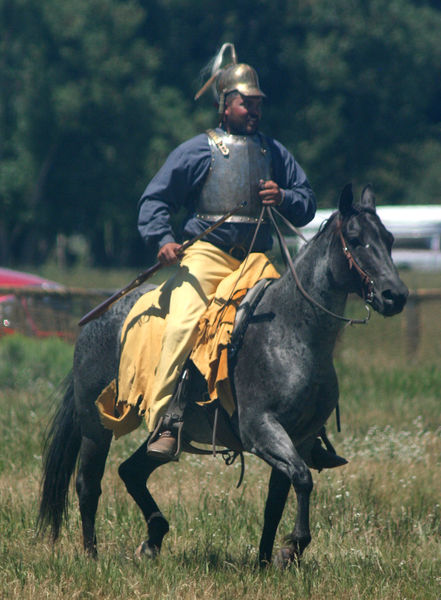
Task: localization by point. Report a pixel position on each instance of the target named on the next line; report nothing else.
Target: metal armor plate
(237, 165)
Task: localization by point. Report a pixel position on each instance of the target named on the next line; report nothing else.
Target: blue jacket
(178, 182)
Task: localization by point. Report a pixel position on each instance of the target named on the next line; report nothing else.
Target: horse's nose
(394, 300)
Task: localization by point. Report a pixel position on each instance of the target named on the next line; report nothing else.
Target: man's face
(242, 115)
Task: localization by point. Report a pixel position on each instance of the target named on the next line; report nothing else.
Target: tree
(79, 117)
(95, 93)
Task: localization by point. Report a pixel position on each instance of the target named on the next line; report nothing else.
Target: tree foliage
(95, 93)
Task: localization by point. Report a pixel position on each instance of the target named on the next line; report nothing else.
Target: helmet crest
(229, 77)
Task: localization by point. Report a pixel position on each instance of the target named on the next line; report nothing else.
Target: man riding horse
(208, 175)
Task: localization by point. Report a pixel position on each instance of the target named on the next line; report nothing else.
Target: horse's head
(367, 245)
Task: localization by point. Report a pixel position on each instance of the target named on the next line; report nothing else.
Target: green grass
(376, 523)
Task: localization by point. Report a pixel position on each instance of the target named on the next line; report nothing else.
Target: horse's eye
(354, 240)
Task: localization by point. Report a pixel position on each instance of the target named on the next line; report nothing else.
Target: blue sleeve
(299, 203)
(172, 188)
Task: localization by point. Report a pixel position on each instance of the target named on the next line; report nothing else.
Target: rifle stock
(106, 304)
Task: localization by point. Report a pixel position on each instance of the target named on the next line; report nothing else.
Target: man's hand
(167, 254)
(270, 193)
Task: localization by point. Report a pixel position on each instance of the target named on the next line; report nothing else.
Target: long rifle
(101, 308)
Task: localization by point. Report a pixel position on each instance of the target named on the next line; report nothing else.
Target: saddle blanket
(125, 401)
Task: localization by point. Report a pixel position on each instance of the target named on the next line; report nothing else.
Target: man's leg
(201, 270)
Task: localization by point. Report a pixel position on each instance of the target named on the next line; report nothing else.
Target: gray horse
(284, 381)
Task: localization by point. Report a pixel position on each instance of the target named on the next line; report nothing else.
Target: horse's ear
(367, 200)
(345, 204)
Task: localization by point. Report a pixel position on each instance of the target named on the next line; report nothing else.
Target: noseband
(367, 283)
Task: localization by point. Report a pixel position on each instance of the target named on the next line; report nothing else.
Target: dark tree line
(95, 93)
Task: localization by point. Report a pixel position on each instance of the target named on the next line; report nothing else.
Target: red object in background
(9, 303)
(20, 279)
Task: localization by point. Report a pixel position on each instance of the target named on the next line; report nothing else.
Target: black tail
(61, 450)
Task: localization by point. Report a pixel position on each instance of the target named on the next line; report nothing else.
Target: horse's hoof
(285, 557)
(146, 551)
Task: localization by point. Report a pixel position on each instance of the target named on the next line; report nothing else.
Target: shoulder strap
(264, 142)
(218, 141)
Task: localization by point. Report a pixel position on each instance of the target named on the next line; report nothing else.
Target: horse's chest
(288, 377)
(305, 399)
(301, 400)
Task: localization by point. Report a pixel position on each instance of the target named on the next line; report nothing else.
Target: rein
(352, 263)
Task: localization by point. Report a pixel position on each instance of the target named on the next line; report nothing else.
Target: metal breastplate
(237, 165)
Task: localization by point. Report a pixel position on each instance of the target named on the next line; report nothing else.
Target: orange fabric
(142, 332)
(121, 418)
(210, 354)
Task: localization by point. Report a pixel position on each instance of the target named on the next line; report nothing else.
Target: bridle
(367, 283)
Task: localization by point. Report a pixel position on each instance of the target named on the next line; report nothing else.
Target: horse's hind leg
(93, 454)
(134, 472)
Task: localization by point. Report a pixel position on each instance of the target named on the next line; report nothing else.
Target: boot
(165, 441)
(325, 459)
(164, 446)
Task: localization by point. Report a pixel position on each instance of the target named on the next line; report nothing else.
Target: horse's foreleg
(93, 454)
(278, 490)
(300, 537)
(134, 472)
(268, 439)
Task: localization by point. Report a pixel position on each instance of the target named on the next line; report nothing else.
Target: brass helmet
(237, 78)
(233, 77)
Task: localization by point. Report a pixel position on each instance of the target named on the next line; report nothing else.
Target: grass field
(376, 523)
